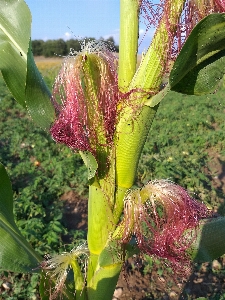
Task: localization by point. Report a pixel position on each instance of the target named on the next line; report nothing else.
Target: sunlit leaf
(211, 240)
(15, 253)
(15, 24)
(90, 163)
(38, 95)
(153, 101)
(201, 63)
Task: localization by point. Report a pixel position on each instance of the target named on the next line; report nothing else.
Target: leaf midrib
(24, 55)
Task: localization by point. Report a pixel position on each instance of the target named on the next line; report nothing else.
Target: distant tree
(75, 45)
(49, 48)
(60, 47)
(110, 41)
(55, 47)
(112, 44)
(37, 47)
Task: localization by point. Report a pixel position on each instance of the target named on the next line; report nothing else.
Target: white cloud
(115, 34)
(67, 35)
(141, 31)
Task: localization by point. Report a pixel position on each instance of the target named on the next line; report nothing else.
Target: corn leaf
(90, 162)
(200, 66)
(15, 253)
(15, 27)
(210, 243)
(38, 95)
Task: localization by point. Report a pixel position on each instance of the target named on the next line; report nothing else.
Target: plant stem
(100, 219)
(136, 119)
(129, 26)
(101, 281)
(131, 137)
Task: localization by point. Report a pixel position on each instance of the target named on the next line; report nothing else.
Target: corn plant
(103, 106)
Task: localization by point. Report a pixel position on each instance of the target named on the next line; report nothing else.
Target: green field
(186, 144)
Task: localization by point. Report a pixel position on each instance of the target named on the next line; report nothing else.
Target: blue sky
(54, 19)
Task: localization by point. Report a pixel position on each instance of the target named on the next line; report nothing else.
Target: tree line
(60, 47)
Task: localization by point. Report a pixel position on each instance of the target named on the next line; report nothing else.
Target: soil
(206, 281)
(75, 211)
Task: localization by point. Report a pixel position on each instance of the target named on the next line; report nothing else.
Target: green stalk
(129, 26)
(101, 281)
(100, 226)
(136, 119)
(100, 220)
(131, 133)
(131, 138)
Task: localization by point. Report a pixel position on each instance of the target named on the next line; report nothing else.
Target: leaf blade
(38, 96)
(15, 27)
(15, 252)
(90, 162)
(210, 240)
(201, 63)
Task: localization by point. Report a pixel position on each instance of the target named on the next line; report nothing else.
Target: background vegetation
(60, 47)
(186, 145)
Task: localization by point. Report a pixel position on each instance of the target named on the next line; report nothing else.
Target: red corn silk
(85, 97)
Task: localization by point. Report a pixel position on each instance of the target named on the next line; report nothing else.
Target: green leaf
(15, 253)
(153, 101)
(90, 162)
(201, 63)
(38, 95)
(15, 24)
(210, 242)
